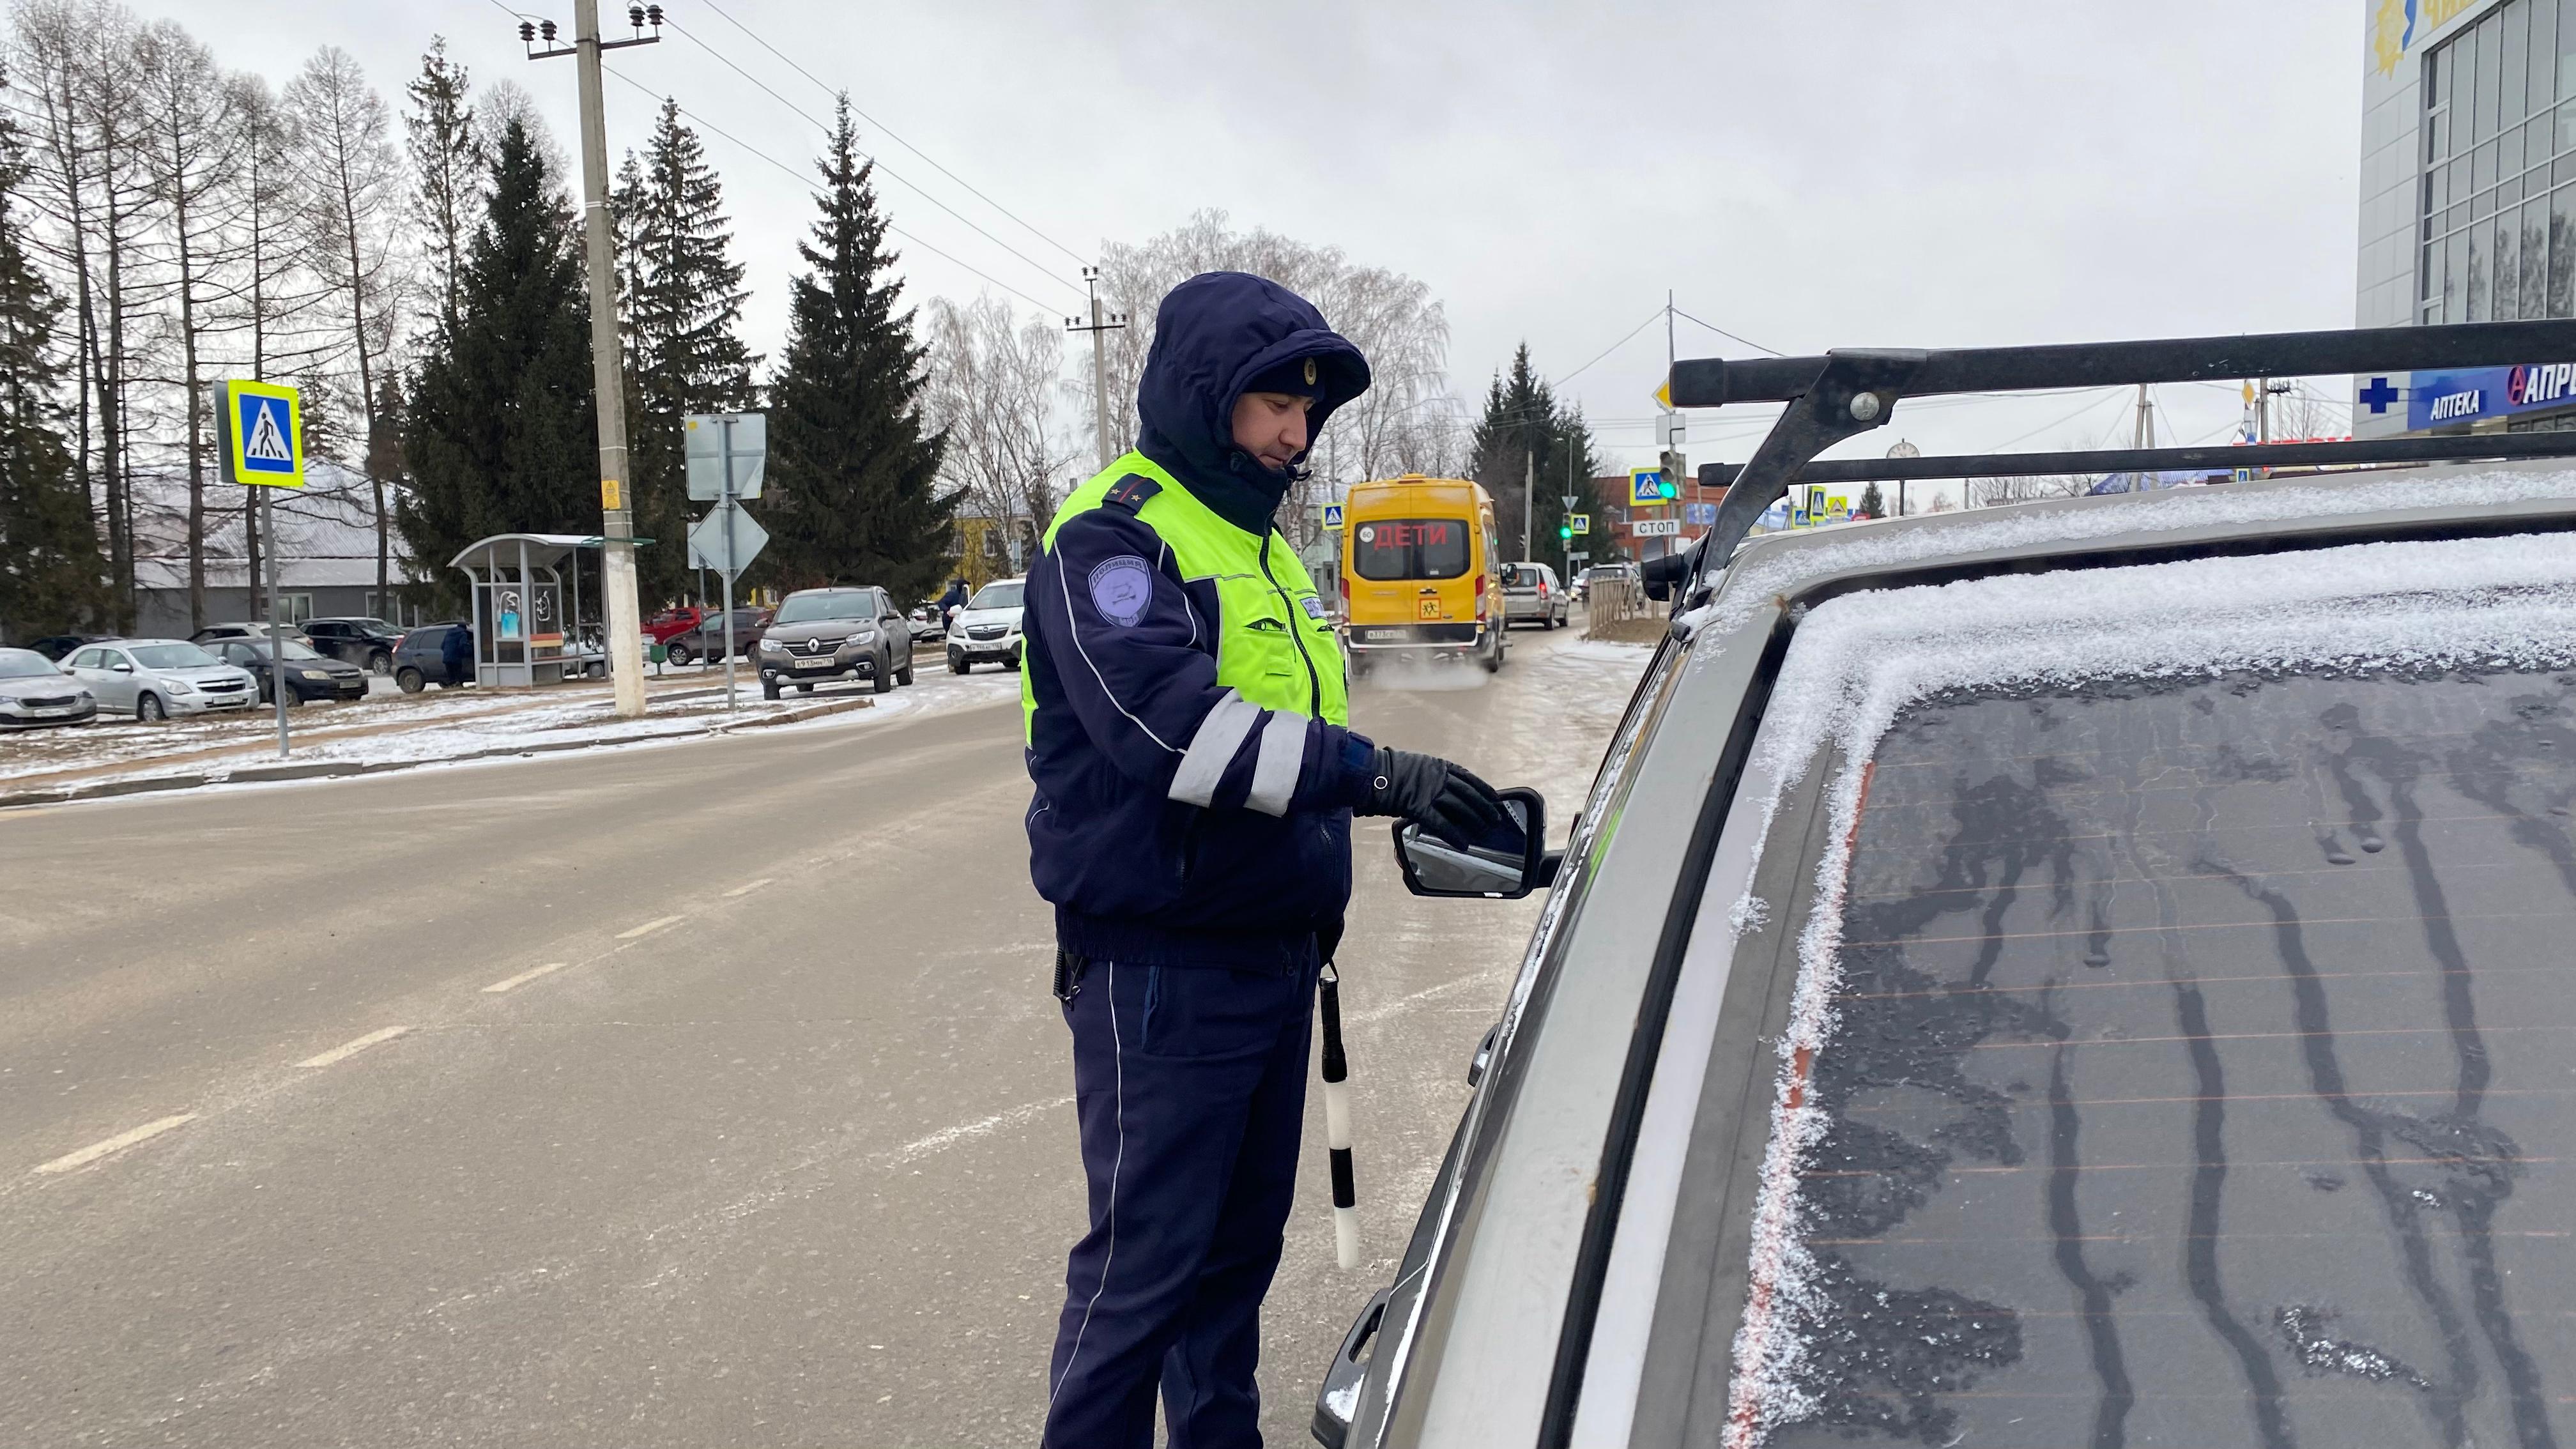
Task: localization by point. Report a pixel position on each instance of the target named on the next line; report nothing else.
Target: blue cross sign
(2379, 395)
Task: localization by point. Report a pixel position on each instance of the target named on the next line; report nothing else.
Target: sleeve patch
(1121, 588)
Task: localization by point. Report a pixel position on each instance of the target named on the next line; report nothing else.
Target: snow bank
(1860, 660)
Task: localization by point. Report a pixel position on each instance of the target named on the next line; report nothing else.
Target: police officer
(1187, 729)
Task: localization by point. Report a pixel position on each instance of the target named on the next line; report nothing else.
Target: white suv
(988, 627)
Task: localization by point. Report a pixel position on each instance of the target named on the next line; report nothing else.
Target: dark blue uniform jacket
(1144, 859)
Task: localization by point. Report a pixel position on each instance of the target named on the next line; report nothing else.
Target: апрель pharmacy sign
(2443, 398)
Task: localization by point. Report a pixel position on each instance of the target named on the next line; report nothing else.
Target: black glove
(1436, 795)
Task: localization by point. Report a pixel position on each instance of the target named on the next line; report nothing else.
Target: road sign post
(727, 454)
(263, 436)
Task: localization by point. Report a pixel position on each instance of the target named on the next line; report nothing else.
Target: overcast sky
(1805, 175)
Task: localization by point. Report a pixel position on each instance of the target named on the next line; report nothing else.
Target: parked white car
(988, 627)
(34, 692)
(153, 679)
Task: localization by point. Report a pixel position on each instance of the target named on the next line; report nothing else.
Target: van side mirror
(1499, 870)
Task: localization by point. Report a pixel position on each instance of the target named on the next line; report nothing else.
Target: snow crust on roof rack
(1858, 661)
(1763, 574)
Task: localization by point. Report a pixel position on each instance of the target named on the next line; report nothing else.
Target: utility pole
(1529, 495)
(1101, 323)
(2146, 430)
(608, 379)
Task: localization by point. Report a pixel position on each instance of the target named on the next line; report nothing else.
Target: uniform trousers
(1190, 1083)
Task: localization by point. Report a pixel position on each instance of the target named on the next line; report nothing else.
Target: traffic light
(1565, 533)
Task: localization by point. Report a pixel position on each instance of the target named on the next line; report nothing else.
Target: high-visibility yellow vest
(1275, 641)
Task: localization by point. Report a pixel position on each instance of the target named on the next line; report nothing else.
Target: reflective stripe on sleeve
(1213, 748)
(1274, 773)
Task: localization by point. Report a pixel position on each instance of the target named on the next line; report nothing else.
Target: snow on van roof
(1768, 569)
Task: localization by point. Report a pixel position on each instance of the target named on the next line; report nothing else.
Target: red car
(671, 622)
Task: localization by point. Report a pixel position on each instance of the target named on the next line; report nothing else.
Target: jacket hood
(1213, 334)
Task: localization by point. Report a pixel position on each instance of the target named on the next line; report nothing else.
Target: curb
(338, 769)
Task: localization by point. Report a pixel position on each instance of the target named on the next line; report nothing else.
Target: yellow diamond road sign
(1664, 395)
(264, 434)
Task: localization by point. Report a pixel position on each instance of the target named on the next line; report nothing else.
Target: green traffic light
(1667, 489)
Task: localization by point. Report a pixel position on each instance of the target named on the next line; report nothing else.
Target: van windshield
(1410, 548)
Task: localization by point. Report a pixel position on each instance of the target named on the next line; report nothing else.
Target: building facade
(2468, 201)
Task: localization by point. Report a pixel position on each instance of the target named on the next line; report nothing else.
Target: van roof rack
(1849, 392)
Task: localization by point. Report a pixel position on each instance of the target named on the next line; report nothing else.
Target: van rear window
(1409, 548)
(2200, 1075)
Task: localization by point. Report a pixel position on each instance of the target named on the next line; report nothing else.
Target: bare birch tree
(992, 388)
(194, 152)
(95, 194)
(345, 167)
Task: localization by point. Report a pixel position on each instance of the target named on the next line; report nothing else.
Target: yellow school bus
(1421, 572)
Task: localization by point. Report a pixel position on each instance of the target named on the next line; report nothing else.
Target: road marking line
(947, 1137)
(524, 977)
(346, 1050)
(744, 890)
(648, 926)
(117, 1143)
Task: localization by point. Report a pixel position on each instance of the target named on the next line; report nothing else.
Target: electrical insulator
(546, 28)
(527, 33)
(653, 13)
(634, 17)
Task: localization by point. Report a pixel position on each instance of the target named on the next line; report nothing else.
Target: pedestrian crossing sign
(264, 434)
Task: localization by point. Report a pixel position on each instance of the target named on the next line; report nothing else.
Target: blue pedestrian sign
(264, 434)
(1648, 487)
(1332, 515)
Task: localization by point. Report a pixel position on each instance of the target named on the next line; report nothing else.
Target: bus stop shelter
(519, 620)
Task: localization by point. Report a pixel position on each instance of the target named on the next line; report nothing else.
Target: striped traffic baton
(1337, 1120)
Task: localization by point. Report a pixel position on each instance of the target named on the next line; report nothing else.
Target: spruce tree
(1523, 425)
(448, 167)
(855, 496)
(1873, 503)
(52, 578)
(501, 435)
(682, 299)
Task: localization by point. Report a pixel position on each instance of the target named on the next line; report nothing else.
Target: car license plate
(812, 663)
(51, 710)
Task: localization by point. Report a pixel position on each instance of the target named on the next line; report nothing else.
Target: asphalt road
(697, 1095)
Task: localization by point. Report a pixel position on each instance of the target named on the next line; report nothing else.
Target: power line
(1606, 351)
(889, 132)
(1729, 336)
(801, 176)
(878, 162)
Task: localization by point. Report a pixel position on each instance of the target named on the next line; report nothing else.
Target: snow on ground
(443, 726)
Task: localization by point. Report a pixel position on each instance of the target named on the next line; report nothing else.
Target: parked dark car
(367, 643)
(34, 693)
(824, 634)
(309, 674)
(55, 646)
(706, 639)
(440, 654)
